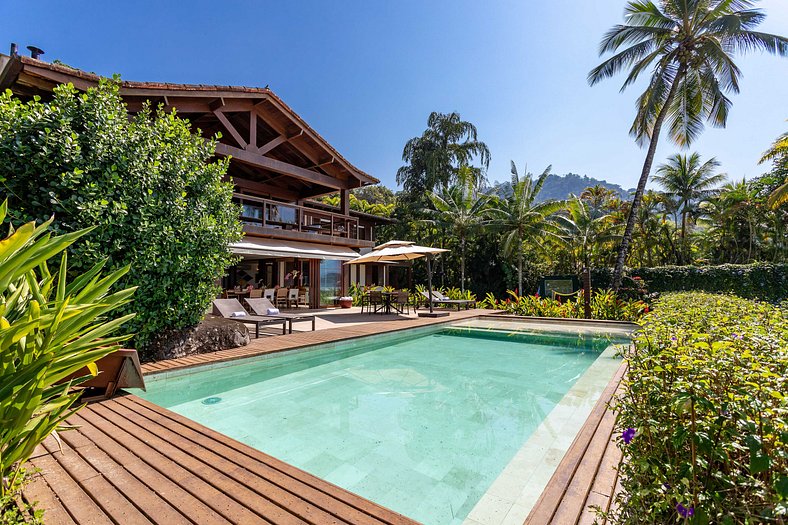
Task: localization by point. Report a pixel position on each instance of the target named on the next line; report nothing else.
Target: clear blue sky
(367, 73)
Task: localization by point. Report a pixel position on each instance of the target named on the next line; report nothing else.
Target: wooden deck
(130, 461)
(587, 476)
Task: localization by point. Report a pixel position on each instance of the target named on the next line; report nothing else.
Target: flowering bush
(604, 305)
(703, 418)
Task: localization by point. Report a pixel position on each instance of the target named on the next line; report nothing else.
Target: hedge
(764, 281)
(703, 416)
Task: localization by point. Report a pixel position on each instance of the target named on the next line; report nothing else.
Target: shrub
(604, 305)
(763, 281)
(49, 329)
(149, 186)
(703, 417)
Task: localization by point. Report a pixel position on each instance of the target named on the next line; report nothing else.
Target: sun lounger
(440, 299)
(262, 306)
(232, 309)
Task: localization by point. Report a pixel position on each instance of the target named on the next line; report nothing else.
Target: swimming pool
(442, 424)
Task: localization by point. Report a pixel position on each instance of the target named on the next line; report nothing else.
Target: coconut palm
(435, 157)
(684, 178)
(687, 45)
(461, 210)
(521, 218)
(583, 229)
(778, 155)
(735, 210)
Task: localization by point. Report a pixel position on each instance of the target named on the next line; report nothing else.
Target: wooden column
(344, 202)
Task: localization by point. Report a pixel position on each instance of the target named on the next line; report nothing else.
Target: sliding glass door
(330, 282)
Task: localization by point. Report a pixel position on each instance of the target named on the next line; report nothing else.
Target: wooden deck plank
(583, 456)
(77, 503)
(155, 482)
(253, 490)
(112, 502)
(204, 482)
(330, 497)
(39, 493)
(143, 497)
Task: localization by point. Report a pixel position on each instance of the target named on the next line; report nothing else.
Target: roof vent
(35, 52)
(14, 50)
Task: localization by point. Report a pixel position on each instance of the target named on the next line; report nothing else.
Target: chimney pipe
(14, 50)
(35, 52)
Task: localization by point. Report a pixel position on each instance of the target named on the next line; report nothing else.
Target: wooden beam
(265, 148)
(278, 166)
(252, 132)
(229, 127)
(264, 189)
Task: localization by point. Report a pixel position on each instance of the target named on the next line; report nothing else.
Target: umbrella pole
(429, 280)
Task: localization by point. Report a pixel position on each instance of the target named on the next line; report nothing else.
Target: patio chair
(400, 302)
(375, 302)
(262, 306)
(292, 297)
(256, 293)
(303, 297)
(281, 297)
(269, 293)
(232, 309)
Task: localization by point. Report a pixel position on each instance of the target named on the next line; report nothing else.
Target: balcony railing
(273, 214)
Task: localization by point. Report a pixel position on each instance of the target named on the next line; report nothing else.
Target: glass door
(330, 282)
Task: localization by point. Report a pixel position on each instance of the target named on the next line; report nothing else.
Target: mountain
(561, 186)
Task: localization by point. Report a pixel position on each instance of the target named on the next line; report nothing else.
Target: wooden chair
(375, 302)
(257, 293)
(281, 297)
(303, 296)
(400, 302)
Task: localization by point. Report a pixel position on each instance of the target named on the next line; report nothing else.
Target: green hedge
(703, 418)
(764, 281)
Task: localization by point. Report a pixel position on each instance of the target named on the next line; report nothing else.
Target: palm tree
(688, 181)
(778, 155)
(736, 210)
(435, 157)
(461, 210)
(522, 218)
(687, 45)
(583, 228)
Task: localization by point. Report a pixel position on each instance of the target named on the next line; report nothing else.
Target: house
(279, 165)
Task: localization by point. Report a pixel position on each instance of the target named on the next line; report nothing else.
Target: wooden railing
(269, 213)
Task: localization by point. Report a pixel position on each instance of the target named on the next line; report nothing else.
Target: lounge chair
(262, 306)
(120, 369)
(440, 299)
(232, 309)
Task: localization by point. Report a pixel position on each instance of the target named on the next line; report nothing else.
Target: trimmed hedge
(763, 281)
(703, 418)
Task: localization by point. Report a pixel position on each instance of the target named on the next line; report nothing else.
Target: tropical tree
(687, 45)
(778, 155)
(583, 229)
(461, 210)
(688, 181)
(434, 158)
(521, 218)
(735, 211)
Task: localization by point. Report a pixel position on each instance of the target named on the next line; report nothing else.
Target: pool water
(421, 423)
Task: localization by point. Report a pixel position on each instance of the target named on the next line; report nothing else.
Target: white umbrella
(401, 251)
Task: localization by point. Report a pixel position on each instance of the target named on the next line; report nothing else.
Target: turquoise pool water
(421, 423)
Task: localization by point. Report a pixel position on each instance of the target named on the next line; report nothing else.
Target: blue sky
(366, 74)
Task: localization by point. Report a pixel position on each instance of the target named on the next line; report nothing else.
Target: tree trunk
(641, 187)
(520, 269)
(684, 257)
(462, 264)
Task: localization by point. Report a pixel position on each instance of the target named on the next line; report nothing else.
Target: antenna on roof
(35, 52)
(14, 50)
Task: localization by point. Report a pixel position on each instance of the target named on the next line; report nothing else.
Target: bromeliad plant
(50, 328)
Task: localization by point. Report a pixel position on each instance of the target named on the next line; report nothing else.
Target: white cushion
(238, 314)
(272, 311)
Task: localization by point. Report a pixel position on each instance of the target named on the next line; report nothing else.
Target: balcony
(270, 218)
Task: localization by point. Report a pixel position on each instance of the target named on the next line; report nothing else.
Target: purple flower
(673, 338)
(685, 512)
(628, 435)
(666, 486)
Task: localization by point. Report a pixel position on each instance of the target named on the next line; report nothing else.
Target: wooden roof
(273, 149)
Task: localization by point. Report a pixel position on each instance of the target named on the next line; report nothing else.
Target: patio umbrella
(401, 251)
